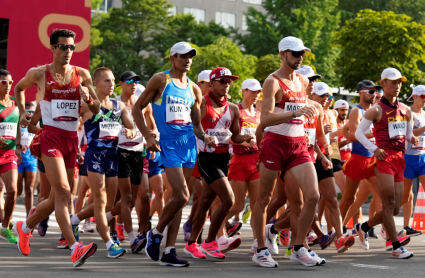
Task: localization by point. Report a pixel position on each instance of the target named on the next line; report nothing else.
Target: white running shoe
(164, 238)
(311, 237)
(401, 253)
(363, 241)
(317, 258)
(303, 257)
(271, 240)
(87, 228)
(264, 259)
(227, 244)
(254, 246)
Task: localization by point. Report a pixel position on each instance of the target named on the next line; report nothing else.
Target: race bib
(8, 130)
(293, 106)
(221, 135)
(397, 130)
(124, 141)
(65, 110)
(346, 148)
(26, 138)
(421, 145)
(178, 114)
(311, 133)
(249, 131)
(334, 139)
(109, 130)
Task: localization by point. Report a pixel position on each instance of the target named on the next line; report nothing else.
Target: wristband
(19, 146)
(294, 115)
(89, 100)
(203, 137)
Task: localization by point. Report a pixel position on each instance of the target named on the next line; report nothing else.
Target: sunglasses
(421, 96)
(330, 97)
(224, 80)
(63, 46)
(131, 81)
(5, 82)
(205, 82)
(30, 111)
(313, 79)
(370, 92)
(297, 54)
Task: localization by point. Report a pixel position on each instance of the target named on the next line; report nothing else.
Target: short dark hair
(98, 71)
(4, 72)
(54, 36)
(29, 104)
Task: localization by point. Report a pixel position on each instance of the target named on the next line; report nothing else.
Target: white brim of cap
(254, 88)
(410, 99)
(297, 49)
(341, 106)
(404, 79)
(185, 51)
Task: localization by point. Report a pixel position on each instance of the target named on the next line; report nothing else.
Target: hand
(248, 138)
(3, 142)
(152, 144)
(25, 119)
(327, 128)
(129, 133)
(80, 159)
(327, 165)
(209, 141)
(19, 156)
(414, 140)
(152, 155)
(24, 149)
(380, 154)
(248, 145)
(307, 111)
(84, 92)
(307, 140)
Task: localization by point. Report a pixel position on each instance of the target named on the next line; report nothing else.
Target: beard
(292, 65)
(370, 101)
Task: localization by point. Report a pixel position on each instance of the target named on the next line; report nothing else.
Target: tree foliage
(374, 41)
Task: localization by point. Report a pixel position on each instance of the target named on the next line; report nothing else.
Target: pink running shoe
(194, 251)
(211, 249)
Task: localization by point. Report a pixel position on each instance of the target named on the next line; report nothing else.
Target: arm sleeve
(409, 132)
(361, 137)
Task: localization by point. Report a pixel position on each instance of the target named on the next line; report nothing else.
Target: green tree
(374, 41)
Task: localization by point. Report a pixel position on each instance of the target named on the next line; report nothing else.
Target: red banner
(30, 25)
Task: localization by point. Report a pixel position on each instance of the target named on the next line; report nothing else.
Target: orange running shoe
(284, 237)
(343, 243)
(120, 232)
(23, 239)
(82, 253)
(62, 244)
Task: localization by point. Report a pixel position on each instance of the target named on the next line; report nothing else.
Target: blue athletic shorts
(415, 166)
(82, 169)
(178, 152)
(155, 165)
(29, 163)
(102, 161)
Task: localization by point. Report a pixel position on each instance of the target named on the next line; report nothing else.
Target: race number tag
(26, 138)
(178, 114)
(221, 135)
(421, 145)
(65, 110)
(311, 134)
(397, 130)
(249, 131)
(293, 106)
(124, 141)
(8, 130)
(109, 130)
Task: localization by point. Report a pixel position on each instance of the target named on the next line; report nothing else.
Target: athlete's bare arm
(320, 133)
(150, 120)
(345, 132)
(197, 115)
(129, 130)
(237, 137)
(85, 112)
(353, 122)
(36, 117)
(414, 140)
(374, 114)
(259, 134)
(87, 90)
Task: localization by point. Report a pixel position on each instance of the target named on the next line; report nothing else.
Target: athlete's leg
(123, 206)
(238, 188)
(254, 191)
(10, 179)
(321, 210)
(167, 188)
(360, 198)
(408, 200)
(157, 187)
(29, 189)
(1, 200)
(143, 196)
(82, 194)
(349, 196)
(74, 187)
(340, 180)
(279, 200)
(20, 184)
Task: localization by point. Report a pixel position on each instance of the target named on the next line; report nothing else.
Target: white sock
(223, 237)
(73, 247)
(25, 228)
(168, 249)
(156, 232)
(109, 216)
(132, 237)
(109, 244)
(4, 228)
(120, 224)
(75, 220)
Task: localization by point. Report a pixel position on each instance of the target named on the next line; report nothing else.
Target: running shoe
(75, 229)
(246, 214)
(211, 249)
(114, 237)
(254, 246)
(311, 236)
(315, 242)
(272, 221)
(153, 245)
(363, 241)
(303, 257)
(42, 227)
(194, 251)
(7, 235)
(187, 230)
(316, 257)
(23, 239)
(138, 244)
(288, 253)
(343, 243)
(401, 253)
(87, 228)
(412, 232)
(354, 232)
(116, 251)
(284, 237)
(383, 234)
(271, 240)
(326, 240)
(235, 220)
(402, 233)
(62, 244)
(120, 232)
(171, 259)
(233, 229)
(264, 259)
(228, 244)
(164, 240)
(372, 234)
(403, 241)
(82, 253)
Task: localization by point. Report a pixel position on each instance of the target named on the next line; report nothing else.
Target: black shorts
(213, 166)
(321, 172)
(82, 169)
(40, 166)
(130, 165)
(337, 165)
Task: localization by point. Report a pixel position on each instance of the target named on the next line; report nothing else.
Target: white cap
(307, 71)
(340, 103)
(321, 88)
(392, 74)
(251, 84)
(292, 43)
(182, 48)
(417, 90)
(204, 76)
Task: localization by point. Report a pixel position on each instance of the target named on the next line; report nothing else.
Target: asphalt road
(47, 261)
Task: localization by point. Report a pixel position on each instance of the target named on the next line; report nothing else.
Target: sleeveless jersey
(172, 110)
(346, 150)
(26, 137)
(248, 125)
(291, 101)
(217, 126)
(310, 127)
(358, 148)
(418, 122)
(60, 107)
(390, 131)
(137, 143)
(103, 129)
(9, 121)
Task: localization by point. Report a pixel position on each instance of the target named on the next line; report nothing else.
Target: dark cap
(367, 84)
(129, 75)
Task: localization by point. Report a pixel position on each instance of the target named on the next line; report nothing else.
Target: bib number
(293, 106)
(178, 114)
(109, 130)
(65, 110)
(221, 135)
(249, 131)
(421, 145)
(124, 141)
(8, 130)
(397, 130)
(26, 138)
(311, 134)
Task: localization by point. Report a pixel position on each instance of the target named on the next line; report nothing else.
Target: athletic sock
(156, 232)
(190, 242)
(297, 247)
(132, 237)
(150, 218)
(206, 241)
(109, 216)
(365, 227)
(396, 245)
(344, 229)
(108, 244)
(75, 220)
(73, 247)
(4, 228)
(261, 249)
(168, 249)
(272, 230)
(25, 228)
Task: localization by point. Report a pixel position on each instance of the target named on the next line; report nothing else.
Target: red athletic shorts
(280, 152)
(195, 172)
(359, 167)
(8, 160)
(312, 155)
(344, 155)
(243, 167)
(394, 164)
(145, 166)
(56, 142)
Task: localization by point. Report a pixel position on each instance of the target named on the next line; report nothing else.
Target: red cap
(222, 72)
